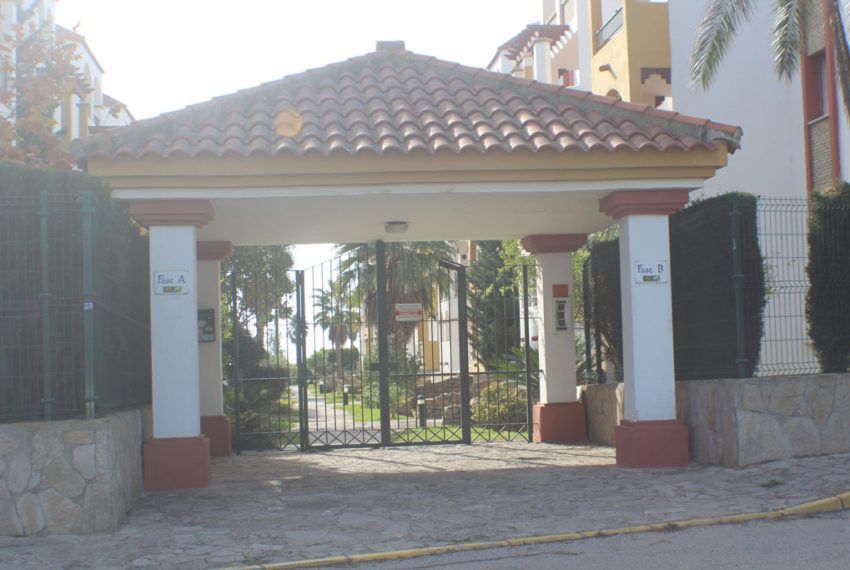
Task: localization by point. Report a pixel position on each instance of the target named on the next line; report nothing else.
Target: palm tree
(413, 275)
(723, 19)
(336, 314)
(261, 275)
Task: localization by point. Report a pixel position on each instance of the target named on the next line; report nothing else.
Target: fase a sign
(171, 282)
(651, 272)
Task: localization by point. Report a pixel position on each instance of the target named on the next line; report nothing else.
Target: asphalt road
(815, 543)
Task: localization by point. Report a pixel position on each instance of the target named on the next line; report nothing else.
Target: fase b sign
(652, 272)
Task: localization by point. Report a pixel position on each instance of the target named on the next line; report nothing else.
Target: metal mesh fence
(743, 298)
(783, 233)
(41, 365)
(73, 299)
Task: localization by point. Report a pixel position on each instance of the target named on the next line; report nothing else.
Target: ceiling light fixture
(395, 227)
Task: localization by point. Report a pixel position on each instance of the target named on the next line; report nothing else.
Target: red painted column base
(560, 423)
(217, 429)
(177, 463)
(652, 444)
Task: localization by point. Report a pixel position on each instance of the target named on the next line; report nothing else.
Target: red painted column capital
(214, 250)
(171, 212)
(643, 202)
(553, 243)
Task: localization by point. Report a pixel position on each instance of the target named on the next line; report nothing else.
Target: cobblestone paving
(286, 506)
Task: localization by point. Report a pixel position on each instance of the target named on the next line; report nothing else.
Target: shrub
(828, 298)
(119, 289)
(500, 405)
(605, 282)
(266, 407)
(703, 287)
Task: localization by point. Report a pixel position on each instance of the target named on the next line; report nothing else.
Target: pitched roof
(395, 101)
(518, 45)
(66, 35)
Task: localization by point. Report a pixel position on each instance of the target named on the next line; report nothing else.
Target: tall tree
(263, 284)
(39, 72)
(339, 316)
(723, 19)
(494, 304)
(413, 275)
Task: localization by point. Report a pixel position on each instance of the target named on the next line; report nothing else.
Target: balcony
(609, 28)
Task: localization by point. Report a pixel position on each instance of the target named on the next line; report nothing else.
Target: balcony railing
(609, 28)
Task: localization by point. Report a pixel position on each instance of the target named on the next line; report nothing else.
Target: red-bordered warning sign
(408, 312)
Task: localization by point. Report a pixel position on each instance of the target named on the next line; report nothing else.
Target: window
(823, 85)
(817, 86)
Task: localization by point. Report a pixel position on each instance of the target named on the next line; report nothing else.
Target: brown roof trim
(149, 213)
(643, 202)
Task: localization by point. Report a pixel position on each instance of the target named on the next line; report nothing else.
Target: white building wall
(745, 92)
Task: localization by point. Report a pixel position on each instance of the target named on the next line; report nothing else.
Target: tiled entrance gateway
(339, 153)
(287, 505)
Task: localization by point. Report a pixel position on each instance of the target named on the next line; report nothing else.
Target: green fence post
(88, 296)
(741, 362)
(46, 356)
(529, 405)
(236, 364)
(588, 310)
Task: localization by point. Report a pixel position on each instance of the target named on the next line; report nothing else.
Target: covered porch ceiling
(331, 154)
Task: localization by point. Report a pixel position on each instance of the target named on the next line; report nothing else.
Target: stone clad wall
(604, 404)
(740, 422)
(74, 476)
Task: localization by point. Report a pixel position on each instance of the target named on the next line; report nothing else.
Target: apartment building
(795, 134)
(85, 107)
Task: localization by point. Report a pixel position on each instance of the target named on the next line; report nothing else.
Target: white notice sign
(171, 282)
(650, 272)
(408, 312)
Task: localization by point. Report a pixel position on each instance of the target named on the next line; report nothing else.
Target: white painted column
(174, 333)
(209, 353)
(650, 392)
(556, 347)
(506, 64)
(542, 62)
(585, 41)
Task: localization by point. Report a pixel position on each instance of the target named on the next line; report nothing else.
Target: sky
(161, 55)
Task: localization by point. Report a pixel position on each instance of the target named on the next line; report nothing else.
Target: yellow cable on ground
(828, 505)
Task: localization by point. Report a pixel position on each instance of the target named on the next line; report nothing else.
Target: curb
(832, 504)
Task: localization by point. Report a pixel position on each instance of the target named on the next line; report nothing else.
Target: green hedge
(29, 197)
(703, 289)
(828, 299)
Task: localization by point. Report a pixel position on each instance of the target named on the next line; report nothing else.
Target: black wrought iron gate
(373, 349)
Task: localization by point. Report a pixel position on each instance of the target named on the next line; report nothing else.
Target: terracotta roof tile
(400, 102)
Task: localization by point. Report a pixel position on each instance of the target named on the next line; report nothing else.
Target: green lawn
(355, 408)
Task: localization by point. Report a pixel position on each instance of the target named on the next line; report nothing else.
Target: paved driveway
(286, 506)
